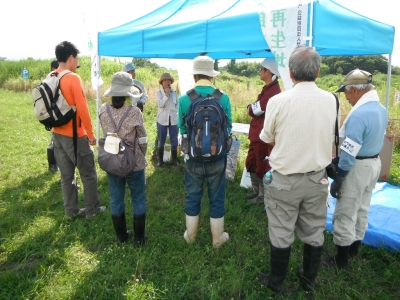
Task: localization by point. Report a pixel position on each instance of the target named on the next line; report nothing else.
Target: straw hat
(122, 85)
(204, 65)
(166, 76)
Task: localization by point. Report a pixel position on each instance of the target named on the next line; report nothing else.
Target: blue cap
(128, 67)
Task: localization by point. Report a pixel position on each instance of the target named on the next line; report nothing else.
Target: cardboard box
(385, 155)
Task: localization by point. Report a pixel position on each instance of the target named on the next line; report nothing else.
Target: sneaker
(101, 210)
(53, 168)
(80, 213)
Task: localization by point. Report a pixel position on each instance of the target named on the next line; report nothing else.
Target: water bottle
(267, 179)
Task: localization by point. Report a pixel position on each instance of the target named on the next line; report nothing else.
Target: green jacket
(203, 87)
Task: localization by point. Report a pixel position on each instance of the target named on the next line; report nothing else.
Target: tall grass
(43, 255)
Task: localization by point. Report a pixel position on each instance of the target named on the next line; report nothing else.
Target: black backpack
(207, 127)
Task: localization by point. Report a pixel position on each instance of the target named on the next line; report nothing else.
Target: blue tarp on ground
(383, 217)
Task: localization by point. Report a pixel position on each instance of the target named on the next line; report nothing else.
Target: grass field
(43, 255)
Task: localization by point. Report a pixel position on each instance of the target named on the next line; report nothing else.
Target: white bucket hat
(122, 85)
(204, 65)
(270, 64)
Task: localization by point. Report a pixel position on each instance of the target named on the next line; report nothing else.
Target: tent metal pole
(311, 23)
(389, 75)
(98, 100)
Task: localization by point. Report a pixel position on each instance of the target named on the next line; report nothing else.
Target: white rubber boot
(192, 223)
(218, 234)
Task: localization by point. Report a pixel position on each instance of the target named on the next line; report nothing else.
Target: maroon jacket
(257, 122)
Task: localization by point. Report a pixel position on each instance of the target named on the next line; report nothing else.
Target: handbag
(331, 169)
(122, 163)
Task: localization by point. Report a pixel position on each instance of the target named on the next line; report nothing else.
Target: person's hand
(249, 108)
(92, 141)
(140, 105)
(335, 187)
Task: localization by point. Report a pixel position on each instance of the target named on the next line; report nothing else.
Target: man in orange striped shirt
(66, 155)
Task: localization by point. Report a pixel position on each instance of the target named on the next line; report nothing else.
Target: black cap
(54, 64)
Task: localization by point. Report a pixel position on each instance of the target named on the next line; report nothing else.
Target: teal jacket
(203, 87)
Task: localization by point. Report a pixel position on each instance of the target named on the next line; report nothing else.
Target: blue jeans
(136, 184)
(196, 174)
(162, 135)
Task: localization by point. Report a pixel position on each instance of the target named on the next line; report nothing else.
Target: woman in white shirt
(167, 117)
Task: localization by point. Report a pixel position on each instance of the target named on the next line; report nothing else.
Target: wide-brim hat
(270, 64)
(204, 65)
(166, 76)
(356, 76)
(122, 85)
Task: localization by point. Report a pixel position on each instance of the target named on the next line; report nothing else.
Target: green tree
(370, 63)
(144, 62)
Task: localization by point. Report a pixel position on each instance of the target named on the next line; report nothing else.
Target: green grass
(43, 255)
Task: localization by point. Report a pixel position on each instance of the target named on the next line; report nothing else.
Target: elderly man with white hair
(256, 164)
(300, 124)
(359, 165)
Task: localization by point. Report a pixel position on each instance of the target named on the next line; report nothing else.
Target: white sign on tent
(284, 28)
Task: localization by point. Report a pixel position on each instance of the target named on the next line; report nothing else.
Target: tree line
(331, 65)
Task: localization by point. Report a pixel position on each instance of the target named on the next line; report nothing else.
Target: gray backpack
(49, 105)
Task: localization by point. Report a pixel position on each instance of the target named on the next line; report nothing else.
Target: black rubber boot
(139, 224)
(279, 262)
(51, 160)
(353, 250)
(119, 223)
(174, 154)
(311, 262)
(340, 260)
(160, 156)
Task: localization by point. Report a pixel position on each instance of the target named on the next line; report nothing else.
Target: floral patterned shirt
(131, 130)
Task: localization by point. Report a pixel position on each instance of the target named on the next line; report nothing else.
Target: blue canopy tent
(231, 29)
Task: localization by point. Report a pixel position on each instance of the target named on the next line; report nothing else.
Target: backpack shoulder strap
(193, 95)
(63, 73)
(122, 119)
(217, 94)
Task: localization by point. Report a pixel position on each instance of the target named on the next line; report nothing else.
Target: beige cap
(356, 76)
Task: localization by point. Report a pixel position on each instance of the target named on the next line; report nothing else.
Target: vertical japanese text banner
(284, 29)
(95, 70)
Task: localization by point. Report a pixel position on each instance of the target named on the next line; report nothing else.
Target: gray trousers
(65, 156)
(350, 219)
(297, 202)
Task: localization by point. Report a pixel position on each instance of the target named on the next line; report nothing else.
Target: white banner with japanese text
(95, 72)
(284, 26)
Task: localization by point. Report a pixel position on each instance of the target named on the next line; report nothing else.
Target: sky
(35, 30)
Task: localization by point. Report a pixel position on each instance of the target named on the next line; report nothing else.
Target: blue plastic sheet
(383, 217)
